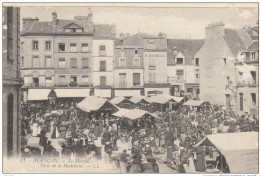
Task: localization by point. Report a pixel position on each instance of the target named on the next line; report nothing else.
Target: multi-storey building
(155, 65)
(11, 82)
(58, 55)
(129, 66)
(103, 59)
(182, 67)
(247, 80)
(217, 63)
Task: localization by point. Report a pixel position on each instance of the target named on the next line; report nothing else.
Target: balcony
(249, 83)
(152, 67)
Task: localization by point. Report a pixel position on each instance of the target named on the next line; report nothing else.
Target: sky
(176, 22)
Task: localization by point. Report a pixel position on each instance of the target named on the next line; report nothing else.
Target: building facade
(217, 63)
(182, 67)
(247, 81)
(155, 65)
(11, 82)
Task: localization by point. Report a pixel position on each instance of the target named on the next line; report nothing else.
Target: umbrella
(47, 115)
(55, 112)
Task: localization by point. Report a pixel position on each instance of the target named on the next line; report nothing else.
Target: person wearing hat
(106, 136)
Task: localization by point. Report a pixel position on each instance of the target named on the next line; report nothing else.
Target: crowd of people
(135, 146)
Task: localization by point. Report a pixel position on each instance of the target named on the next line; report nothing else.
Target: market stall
(197, 104)
(140, 102)
(123, 102)
(239, 149)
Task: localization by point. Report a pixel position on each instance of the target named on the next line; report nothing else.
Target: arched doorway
(10, 112)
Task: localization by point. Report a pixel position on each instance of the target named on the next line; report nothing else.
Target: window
(102, 50)
(179, 61)
(136, 51)
(152, 64)
(102, 80)
(79, 30)
(61, 47)
(21, 46)
(136, 62)
(197, 61)
(22, 61)
(73, 47)
(179, 72)
(151, 45)
(48, 46)
(122, 62)
(225, 61)
(48, 81)
(35, 45)
(253, 55)
(85, 79)
(84, 62)
(36, 61)
(102, 66)
(122, 80)
(152, 78)
(253, 74)
(136, 79)
(84, 47)
(61, 79)
(48, 61)
(62, 63)
(189, 90)
(197, 75)
(253, 95)
(73, 78)
(73, 62)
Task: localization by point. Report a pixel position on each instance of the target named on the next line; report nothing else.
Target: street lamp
(52, 97)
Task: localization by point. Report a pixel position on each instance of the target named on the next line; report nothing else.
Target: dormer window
(179, 61)
(73, 28)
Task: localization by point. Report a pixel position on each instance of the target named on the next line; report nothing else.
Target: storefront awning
(193, 103)
(105, 93)
(72, 93)
(38, 94)
(127, 93)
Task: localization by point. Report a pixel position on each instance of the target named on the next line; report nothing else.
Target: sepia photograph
(128, 88)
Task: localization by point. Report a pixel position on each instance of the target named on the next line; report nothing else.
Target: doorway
(10, 112)
(228, 107)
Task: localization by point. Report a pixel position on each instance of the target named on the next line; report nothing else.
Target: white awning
(127, 93)
(105, 93)
(38, 94)
(70, 93)
(239, 149)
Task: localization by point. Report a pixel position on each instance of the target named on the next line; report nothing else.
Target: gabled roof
(72, 26)
(188, 47)
(118, 100)
(47, 27)
(254, 46)
(237, 40)
(102, 31)
(134, 40)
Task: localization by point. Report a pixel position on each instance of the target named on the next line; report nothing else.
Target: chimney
(29, 21)
(122, 36)
(127, 35)
(214, 29)
(175, 50)
(113, 30)
(54, 18)
(90, 16)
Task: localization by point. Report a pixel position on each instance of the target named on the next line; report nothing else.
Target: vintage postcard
(130, 88)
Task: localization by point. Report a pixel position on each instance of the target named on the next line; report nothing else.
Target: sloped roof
(117, 100)
(135, 40)
(138, 113)
(47, 27)
(102, 31)
(137, 99)
(254, 46)
(237, 40)
(188, 47)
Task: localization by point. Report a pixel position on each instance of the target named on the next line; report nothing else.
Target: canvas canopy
(239, 149)
(138, 99)
(177, 99)
(38, 94)
(160, 99)
(118, 100)
(69, 93)
(194, 103)
(94, 104)
(121, 112)
(137, 113)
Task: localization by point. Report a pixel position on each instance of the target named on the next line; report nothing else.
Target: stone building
(11, 82)
(247, 80)
(182, 67)
(217, 63)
